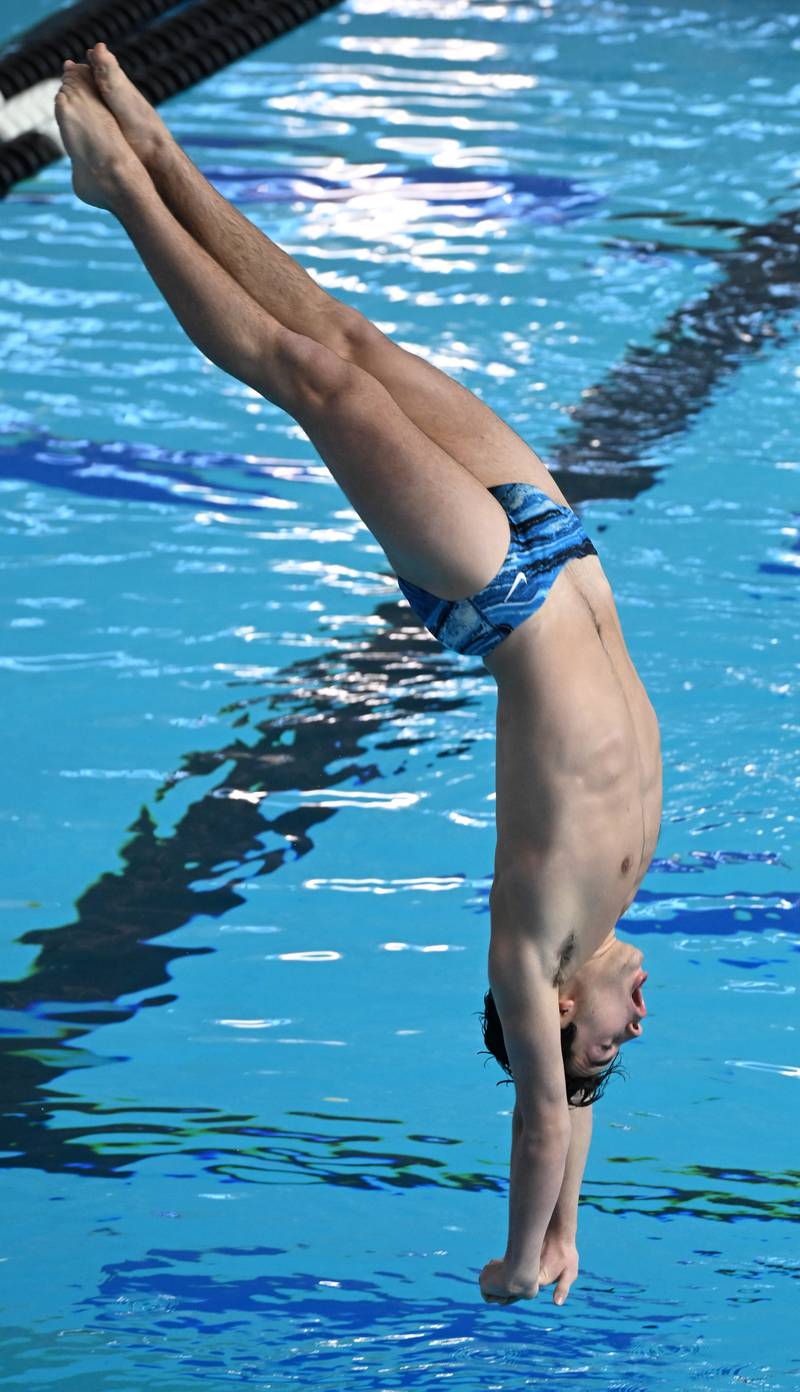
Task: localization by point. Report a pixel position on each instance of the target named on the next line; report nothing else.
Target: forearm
(538, 1160)
(565, 1213)
(219, 317)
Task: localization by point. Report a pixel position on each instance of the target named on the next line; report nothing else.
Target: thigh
(439, 527)
(448, 412)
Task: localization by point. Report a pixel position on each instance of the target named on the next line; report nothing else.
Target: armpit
(564, 957)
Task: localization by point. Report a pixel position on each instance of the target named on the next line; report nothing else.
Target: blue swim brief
(544, 536)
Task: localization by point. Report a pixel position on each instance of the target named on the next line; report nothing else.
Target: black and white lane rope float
(164, 46)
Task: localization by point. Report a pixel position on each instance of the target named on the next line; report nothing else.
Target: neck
(606, 944)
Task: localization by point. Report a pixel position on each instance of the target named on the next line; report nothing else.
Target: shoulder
(538, 907)
(526, 999)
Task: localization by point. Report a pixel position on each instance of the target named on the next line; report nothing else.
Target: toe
(101, 56)
(99, 64)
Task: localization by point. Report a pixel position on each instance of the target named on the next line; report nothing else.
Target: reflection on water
(108, 951)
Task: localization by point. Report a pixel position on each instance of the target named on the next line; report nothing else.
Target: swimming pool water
(248, 1131)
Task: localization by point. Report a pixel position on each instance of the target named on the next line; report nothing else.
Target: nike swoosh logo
(520, 576)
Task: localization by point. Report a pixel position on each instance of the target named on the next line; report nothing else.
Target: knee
(359, 334)
(311, 372)
(363, 340)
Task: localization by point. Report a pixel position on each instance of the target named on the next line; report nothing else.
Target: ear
(566, 1008)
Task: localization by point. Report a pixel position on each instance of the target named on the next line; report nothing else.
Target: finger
(562, 1291)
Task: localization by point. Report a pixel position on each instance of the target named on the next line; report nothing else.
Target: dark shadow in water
(108, 951)
(142, 473)
(467, 195)
(211, 1306)
(170, 1295)
(658, 390)
(353, 1306)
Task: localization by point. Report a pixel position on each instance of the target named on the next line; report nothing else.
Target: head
(601, 1008)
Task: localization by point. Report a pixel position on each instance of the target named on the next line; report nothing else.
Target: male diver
(480, 536)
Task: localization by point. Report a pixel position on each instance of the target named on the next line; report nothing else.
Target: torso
(579, 773)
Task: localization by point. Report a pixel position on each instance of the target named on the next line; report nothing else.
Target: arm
(565, 1213)
(538, 1157)
(220, 318)
(528, 1008)
(559, 1259)
(216, 313)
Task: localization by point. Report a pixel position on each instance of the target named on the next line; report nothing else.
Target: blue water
(248, 1130)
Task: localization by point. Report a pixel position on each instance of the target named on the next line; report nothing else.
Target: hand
(498, 1288)
(558, 1262)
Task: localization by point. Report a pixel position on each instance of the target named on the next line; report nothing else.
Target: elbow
(545, 1123)
(543, 1107)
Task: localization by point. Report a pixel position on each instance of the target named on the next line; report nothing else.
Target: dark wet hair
(582, 1088)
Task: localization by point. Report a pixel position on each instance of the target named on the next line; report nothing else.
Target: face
(604, 1000)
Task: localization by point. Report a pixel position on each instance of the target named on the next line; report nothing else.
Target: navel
(625, 866)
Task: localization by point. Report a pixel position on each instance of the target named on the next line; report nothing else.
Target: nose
(638, 998)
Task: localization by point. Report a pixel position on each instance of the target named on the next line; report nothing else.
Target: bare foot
(101, 157)
(139, 122)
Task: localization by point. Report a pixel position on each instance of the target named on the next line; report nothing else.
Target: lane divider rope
(162, 59)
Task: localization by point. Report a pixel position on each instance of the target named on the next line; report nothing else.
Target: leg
(270, 276)
(436, 523)
(447, 412)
